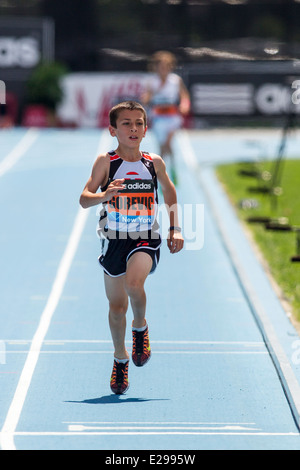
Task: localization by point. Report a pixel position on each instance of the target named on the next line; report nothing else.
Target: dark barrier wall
(243, 88)
(24, 42)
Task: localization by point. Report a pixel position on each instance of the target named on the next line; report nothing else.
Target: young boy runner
(129, 230)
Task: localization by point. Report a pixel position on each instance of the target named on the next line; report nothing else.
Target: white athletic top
(165, 93)
(135, 207)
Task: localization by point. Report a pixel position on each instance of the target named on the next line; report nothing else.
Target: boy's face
(130, 128)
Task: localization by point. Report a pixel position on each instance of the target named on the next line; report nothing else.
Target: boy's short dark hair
(131, 106)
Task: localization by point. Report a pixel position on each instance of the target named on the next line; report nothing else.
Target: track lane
(209, 385)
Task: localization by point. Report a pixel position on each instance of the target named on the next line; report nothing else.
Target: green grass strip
(277, 247)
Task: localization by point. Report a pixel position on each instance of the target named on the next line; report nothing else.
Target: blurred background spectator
(95, 36)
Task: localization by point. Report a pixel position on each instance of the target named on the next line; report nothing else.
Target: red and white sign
(88, 97)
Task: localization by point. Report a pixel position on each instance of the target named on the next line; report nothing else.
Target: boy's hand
(113, 189)
(175, 241)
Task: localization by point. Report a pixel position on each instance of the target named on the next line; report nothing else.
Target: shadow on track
(109, 399)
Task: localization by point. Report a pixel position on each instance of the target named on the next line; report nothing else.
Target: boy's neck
(130, 155)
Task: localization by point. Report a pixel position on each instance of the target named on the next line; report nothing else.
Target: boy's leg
(168, 155)
(138, 267)
(118, 304)
(166, 147)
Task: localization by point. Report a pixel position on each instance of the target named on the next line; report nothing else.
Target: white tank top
(135, 208)
(165, 93)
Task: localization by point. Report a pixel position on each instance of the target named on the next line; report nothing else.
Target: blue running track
(223, 373)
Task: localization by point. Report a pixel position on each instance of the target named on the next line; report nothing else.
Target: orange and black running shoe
(141, 350)
(119, 383)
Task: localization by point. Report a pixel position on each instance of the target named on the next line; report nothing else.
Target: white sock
(121, 361)
(139, 329)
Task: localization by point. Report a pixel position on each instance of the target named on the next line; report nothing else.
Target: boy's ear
(112, 130)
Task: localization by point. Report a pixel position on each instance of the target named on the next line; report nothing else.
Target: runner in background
(169, 101)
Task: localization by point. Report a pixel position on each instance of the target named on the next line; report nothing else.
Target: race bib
(134, 207)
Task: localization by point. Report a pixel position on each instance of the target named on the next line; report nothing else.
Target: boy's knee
(117, 309)
(134, 287)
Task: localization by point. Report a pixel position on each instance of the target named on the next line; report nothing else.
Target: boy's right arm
(89, 196)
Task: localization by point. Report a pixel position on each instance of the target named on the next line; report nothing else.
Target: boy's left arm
(175, 239)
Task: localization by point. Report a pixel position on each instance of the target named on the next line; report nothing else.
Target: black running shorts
(116, 253)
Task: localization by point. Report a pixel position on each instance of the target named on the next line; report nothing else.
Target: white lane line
(16, 406)
(160, 423)
(19, 150)
(81, 428)
(12, 418)
(104, 341)
(159, 433)
(176, 347)
(243, 353)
